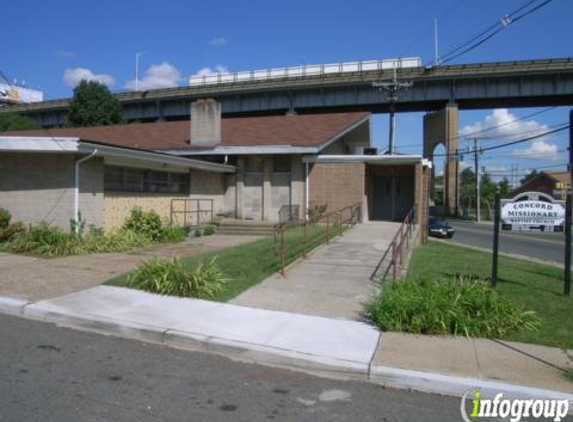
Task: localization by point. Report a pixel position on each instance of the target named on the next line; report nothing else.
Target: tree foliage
(93, 105)
(13, 121)
(504, 187)
(529, 176)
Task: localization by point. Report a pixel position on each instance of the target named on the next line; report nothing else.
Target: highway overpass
(471, 86)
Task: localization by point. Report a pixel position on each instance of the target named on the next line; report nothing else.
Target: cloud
(538, 148)
(74, 76)
(162, 75)
(501, 124)
(218, 42)
(207, 71)
(65, 54)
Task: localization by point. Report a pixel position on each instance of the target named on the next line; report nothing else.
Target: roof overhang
(381, 160)
(256, 149)
(70, 145)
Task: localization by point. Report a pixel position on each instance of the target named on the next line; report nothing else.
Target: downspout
(306, 189)
(77, 185)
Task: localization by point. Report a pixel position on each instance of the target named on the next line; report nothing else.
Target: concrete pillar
(239, 193)
(297, 185)
(267, 194)
(441, 127)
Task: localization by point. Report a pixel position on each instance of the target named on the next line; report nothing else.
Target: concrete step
(246, 227)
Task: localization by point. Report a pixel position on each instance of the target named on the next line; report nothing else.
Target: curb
(13, 306)
(426, 382)
(452, 385)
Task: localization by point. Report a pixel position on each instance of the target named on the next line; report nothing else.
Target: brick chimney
(205, 123)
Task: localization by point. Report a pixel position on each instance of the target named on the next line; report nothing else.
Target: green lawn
(249, 264)
(536, 286)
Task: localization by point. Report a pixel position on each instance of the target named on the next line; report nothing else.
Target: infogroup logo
(514, 409)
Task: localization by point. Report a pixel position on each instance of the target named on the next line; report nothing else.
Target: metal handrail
(335, 223)
(396, 247)
(188, 211)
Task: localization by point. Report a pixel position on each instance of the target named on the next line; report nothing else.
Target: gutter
(77, 185)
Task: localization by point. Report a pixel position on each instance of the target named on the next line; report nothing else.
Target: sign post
(496, 224)
(567, 275)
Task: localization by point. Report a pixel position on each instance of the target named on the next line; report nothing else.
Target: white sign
(17, 94)
(526, 214)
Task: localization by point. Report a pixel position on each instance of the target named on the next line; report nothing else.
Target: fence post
(198, 212)
(304, 240)
(393, 259)
(327, 229)
(283, 252)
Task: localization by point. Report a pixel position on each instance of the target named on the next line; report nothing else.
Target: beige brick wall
(117, 206)
(40, 187)
(336, 184)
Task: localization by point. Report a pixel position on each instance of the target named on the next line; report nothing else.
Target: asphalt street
(546, 246)
(56, 374)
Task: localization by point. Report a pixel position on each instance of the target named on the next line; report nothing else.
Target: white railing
(304, 71)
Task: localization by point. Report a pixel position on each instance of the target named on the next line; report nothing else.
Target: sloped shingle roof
(294, 130)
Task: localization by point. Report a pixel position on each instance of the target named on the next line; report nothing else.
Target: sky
(52, 45)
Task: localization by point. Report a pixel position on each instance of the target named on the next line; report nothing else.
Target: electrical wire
(492, 31)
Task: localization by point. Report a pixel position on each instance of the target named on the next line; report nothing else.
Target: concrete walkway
(332, 346)
(34, 279)
(332, 282)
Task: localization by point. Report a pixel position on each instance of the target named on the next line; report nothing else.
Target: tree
(13, 121)
(504, 187)
(529, 176)
(93, 105)
(467, 188)
(487, 189)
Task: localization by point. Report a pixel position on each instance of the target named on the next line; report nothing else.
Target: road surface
(53, 374)
(545, 246)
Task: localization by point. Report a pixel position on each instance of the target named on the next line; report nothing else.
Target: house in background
(251, 168)
(555, 184)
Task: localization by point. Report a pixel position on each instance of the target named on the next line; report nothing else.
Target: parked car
(440, 228)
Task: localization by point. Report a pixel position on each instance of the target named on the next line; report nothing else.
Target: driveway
(36, 279)
(332, 282)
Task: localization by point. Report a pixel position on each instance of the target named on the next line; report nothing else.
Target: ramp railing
(394, 254)
(191, 212)
(297, 238)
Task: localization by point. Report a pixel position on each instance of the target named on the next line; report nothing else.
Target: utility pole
(477, 188)
(568, 211)
(392, 89)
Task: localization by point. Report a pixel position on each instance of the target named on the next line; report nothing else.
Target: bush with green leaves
(146, 223)
(456, 306)
(173, 277)
(45, 240)
(8, 229)
(174, 233)
(198, 232)
(209, 230)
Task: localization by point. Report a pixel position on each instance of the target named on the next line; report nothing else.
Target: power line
(492, 31)
(530, 138)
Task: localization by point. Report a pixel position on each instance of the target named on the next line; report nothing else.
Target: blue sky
(51, 44)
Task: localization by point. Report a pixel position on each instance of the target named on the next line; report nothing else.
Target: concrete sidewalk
(333, 281)
(329, 346)
(32, 279)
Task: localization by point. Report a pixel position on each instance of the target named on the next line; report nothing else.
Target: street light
(137, 55)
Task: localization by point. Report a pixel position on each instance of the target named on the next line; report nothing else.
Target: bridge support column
(441, 127)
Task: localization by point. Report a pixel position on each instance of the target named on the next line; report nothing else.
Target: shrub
(454, 306)
(5, 218)
(46, 240)
(147, 223)
(316, 212)
(209, 230)
(172, 277)
(174, 233)
(198, 233)
(7, 229)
